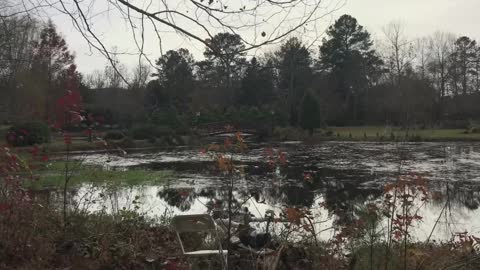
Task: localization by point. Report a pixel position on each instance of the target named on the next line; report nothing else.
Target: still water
(344, 176)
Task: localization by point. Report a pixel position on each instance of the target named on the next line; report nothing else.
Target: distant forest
(346, 79)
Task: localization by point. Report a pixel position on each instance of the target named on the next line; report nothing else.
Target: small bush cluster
(473, 130)
(149, 131)
(289, 133)
(28, 133)
(92, 241)
(114, 135)
(238, 115)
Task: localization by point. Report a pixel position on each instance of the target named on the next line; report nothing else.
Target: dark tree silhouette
(347, 55)
(258, 22)
(175, 76)
(464, 58)
(53, 68)
(226, 52)
(257, 85)
(294, 64)
(310, 116)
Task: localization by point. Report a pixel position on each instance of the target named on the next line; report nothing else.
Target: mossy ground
(52, 174)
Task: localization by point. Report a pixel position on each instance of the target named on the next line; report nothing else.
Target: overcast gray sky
(420, 17)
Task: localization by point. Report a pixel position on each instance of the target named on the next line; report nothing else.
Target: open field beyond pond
(379, 133)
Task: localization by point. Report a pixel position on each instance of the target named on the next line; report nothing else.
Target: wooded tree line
(36, 67)
(348, 79)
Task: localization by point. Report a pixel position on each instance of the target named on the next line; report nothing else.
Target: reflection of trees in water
(457, 195)
(287, 195)
(298, 196)
(271, 196)
(454, 200)
(197, 167)
(217, 199)
(119, 197)
(184, 198)
(470, 198)
(180, 198)
(444, 199)
(467, 195)
(341, 198)
(341, 190)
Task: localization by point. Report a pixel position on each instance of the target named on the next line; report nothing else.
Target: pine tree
(310, 116)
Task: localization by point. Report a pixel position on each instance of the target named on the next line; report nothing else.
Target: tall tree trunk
(291, 95)
(442, 83)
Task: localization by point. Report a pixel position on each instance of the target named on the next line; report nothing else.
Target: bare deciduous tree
(17, 35)
(399, 50)
(140, 75)
(422, 56)
(95, 79)
(115, 75)
(258, 22)
(441, 47)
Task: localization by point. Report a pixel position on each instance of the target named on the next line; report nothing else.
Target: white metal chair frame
(198, 223)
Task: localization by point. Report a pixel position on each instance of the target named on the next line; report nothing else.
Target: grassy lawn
(57, 145)
(385, 133)
(52, 175)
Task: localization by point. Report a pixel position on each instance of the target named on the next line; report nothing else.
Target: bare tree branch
(257, 22)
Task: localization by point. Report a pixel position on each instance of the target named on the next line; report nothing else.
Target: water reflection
(344, 177)
(179, 198)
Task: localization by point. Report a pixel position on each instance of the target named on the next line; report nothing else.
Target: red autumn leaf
(68, 108)
(57, 125)
(307, 177)
(100, 119)
(11, 137)
(4, 207)
(294, 215)
(239, 137)
(282, 158)
(76, 117)
(271, 164)
(61, 102)
(67, 139)
(227, 143)
(183, 193)
(172, 265)
(268, 151)
(397, 234)
(87, 132)
(34, 151)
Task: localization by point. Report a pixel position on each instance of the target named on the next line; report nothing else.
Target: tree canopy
(310, 116)
(347, 55)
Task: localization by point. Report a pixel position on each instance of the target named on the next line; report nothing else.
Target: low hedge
(149, 131)
(114, 135)
(28, 133)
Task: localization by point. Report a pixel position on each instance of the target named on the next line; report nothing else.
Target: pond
(342, 176)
